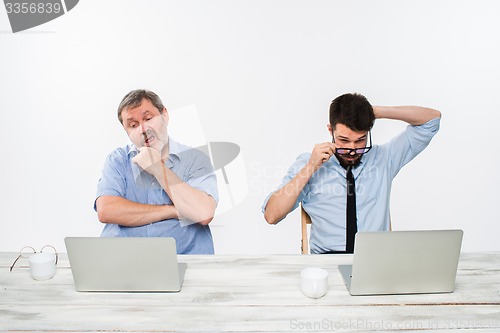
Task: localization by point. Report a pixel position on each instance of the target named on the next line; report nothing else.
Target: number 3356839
(32, 8)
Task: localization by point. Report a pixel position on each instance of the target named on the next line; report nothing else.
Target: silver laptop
(403, 262)
(125, 264)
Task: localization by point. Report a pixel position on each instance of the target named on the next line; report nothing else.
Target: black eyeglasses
(356, 151)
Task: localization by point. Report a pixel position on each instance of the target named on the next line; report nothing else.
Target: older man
(156, 187)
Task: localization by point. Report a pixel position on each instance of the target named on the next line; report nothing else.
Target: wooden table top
(253, 293)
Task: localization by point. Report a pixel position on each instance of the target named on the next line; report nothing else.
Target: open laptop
(403, 262)
(125, 264)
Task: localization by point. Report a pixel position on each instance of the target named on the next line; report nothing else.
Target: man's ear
(165, 115)
(330, 129)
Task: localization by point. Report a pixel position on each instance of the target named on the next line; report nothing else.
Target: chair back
(305, 220)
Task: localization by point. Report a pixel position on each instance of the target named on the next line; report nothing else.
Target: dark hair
(353, 111)
(134, 98)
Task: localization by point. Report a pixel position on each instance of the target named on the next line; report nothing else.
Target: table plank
(137, 317)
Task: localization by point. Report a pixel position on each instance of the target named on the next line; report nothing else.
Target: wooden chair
(305, 220)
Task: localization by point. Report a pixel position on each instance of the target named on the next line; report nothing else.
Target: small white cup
(314, 282)
(42, 266)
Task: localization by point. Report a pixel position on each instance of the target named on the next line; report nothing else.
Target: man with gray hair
(156, 187)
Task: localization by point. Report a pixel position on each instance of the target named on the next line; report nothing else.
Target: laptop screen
(404, 262)
(124, 264)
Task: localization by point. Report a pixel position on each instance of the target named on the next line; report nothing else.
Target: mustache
(344, 162)
(148, 134)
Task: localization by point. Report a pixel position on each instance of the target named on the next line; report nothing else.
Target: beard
(154, 139)
(349, 161)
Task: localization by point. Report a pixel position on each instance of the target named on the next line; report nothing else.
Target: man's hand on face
(149, 159)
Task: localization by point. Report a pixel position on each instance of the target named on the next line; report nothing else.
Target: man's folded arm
(121, 211)
(191, 203)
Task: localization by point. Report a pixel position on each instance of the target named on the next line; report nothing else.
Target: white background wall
(261, 74)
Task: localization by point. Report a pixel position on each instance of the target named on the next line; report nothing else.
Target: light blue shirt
(324, 196)
(121, 177)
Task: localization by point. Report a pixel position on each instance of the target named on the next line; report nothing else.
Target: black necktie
(351, 224)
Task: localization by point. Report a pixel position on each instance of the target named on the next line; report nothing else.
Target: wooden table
(257, 293)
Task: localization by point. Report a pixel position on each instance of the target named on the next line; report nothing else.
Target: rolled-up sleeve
(201, 175)
(112, 181)
(404, 147)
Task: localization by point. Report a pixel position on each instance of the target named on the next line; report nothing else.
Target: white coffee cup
(314, 282)
(42, 266)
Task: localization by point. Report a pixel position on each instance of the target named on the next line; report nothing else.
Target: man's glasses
(356, 151)
(27, 251)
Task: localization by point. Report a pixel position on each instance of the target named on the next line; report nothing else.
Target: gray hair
(134, 98)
